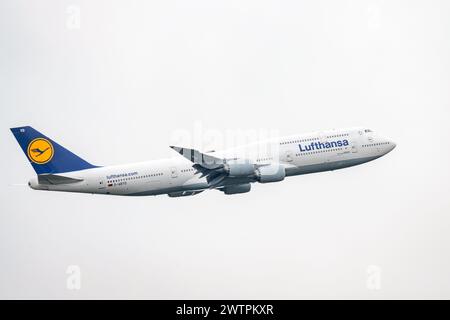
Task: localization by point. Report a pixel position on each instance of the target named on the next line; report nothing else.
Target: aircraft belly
(178, 185)
(327, 166)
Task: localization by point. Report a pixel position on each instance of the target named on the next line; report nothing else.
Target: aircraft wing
(216, 170)
(204, 160)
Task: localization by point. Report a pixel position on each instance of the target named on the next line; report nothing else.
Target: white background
(116, 83)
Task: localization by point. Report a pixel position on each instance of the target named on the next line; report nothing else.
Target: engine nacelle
(240, 169)
(238, 188)
(270, 173)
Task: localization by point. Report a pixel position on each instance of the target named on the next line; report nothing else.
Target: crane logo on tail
(40, 151)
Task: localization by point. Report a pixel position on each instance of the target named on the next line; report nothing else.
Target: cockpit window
(367, 130)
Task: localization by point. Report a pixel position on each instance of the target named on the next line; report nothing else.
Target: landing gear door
(101, 184)
(354, 146)
(288, 156)
(173, 172)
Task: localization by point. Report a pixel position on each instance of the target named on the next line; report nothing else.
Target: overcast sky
(119, 81)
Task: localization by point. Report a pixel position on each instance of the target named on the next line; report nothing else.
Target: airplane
(230, 171)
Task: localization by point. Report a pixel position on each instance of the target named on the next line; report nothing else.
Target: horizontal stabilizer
(56, 179)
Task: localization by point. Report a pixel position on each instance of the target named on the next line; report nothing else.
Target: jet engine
(237, 188)
(236, 169)
(270, 173)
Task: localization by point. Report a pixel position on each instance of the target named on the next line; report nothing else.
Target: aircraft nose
(393, 144)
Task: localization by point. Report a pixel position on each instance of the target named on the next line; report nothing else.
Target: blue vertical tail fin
(45, 155)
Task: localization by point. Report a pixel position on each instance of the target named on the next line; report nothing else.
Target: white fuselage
(299, 154)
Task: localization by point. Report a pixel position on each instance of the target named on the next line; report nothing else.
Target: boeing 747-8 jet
(231, 171)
